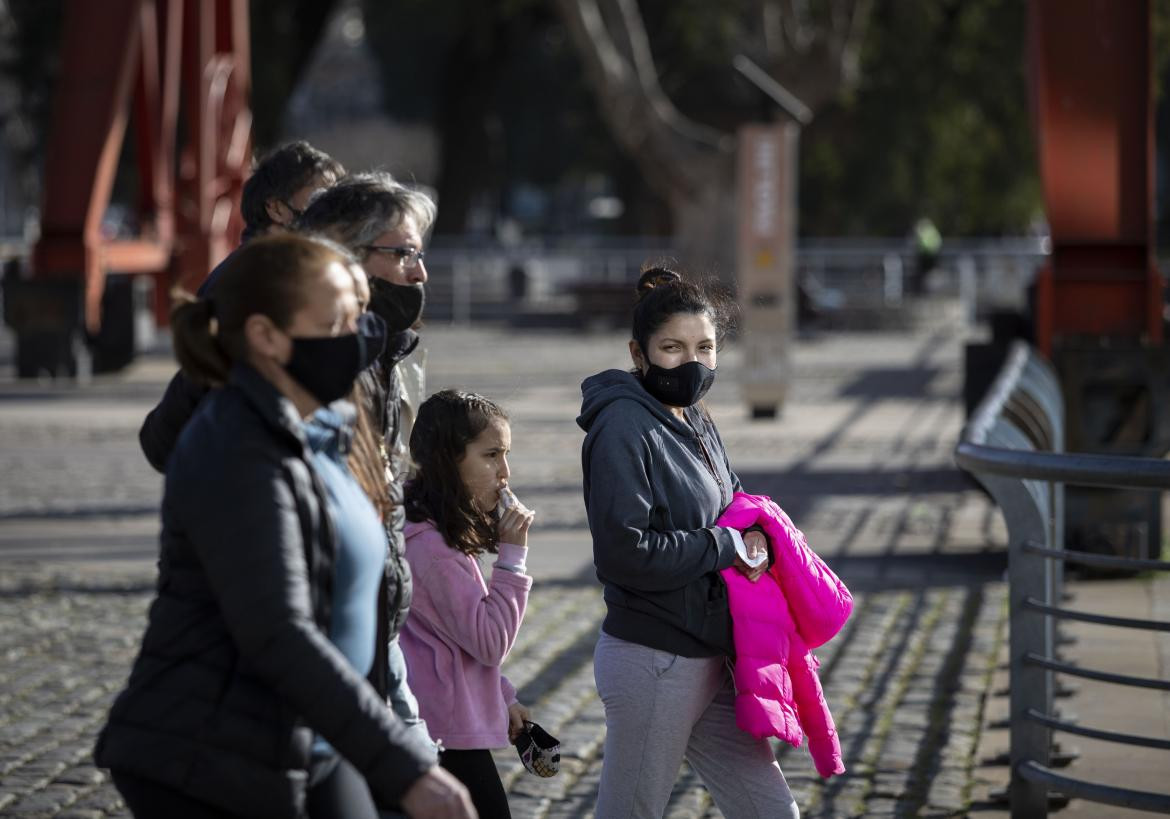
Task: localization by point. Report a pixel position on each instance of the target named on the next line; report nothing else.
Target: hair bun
(655, 277)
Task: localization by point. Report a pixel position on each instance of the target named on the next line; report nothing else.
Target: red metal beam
(1093, 105)
(164, 51)
(214, 162)
(99, 57)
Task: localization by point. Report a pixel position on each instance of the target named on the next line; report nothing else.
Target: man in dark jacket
(382, 223)
(276, 193)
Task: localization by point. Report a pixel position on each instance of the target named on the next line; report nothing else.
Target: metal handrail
(1097, 733)
(1032, 604)
(1140, 564)
(1081, 469)
(1029, 486)
(1094, 792)
(1093, 674)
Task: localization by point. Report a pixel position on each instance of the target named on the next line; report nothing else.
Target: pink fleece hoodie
(797, 605)
(457, 635)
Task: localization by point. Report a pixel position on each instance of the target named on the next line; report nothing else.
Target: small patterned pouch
(539, 751)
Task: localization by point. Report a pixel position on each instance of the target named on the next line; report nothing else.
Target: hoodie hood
(413, 528)
(601, 390)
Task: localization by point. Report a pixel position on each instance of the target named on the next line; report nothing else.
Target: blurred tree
(30, 61)
(1162, 123)
(924, 114)
(927, 113)
(938, 125)
(283, 36)
(441, 63)
(809, 48)
(500, 83)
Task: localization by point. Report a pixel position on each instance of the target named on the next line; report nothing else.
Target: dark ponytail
(663, 293)
(193, 327)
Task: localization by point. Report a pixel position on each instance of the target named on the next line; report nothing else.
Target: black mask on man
(327, 367)
(679, 386)
(399, 305)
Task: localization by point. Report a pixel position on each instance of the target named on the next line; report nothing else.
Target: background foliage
(936, 124)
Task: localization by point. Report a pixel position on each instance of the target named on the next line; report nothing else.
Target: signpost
(766, 253)
(766, 262)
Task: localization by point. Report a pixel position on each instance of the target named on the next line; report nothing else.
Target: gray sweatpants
(661, 708)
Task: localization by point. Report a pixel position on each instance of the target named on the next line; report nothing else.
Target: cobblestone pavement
(860, 459)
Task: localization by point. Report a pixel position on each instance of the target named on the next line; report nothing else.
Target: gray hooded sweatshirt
(654, 487)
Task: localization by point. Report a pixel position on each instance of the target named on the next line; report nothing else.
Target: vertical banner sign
(766, 262)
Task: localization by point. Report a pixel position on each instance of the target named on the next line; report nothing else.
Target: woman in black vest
(237, 670)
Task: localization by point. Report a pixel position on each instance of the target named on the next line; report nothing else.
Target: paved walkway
(860, 459)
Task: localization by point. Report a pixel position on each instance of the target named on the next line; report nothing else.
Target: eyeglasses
(409, 256)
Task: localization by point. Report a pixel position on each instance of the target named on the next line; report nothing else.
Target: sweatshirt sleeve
(507, 690)
(619, 501)
(483, 625)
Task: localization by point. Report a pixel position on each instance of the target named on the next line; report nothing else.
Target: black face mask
(327, 367)
(399, 305)
(679, 386)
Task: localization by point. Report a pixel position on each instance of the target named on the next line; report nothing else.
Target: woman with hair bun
(249, 696)
(656, 479)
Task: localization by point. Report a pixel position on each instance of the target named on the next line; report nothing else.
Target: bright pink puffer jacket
(797, 605)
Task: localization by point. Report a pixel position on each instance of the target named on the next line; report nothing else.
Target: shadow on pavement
(792, 485)
(876, 573)
(900, 382)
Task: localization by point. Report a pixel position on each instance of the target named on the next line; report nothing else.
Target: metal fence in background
(1011, 445)
(847, 282)
(839, 277)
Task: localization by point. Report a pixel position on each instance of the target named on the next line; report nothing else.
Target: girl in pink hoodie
(460, 627)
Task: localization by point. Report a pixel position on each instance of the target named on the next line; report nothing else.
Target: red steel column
(99, 58)
(1092, 98)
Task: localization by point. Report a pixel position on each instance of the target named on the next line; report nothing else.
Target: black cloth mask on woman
(679, 386)
(399, 305)
(327, 367)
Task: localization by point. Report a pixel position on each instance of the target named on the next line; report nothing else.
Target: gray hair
(362, 206)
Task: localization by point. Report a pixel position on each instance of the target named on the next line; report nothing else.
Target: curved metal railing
(1002, 447)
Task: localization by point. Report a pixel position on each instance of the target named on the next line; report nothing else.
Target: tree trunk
(692, 166)
(704, 219)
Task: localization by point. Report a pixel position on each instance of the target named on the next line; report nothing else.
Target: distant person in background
(280, 186)
(927, 244)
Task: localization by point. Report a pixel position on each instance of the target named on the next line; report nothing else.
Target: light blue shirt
(360, 556)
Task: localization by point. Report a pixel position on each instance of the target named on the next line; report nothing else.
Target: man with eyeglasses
(382, 222)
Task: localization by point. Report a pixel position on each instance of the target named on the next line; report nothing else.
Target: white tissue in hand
(508, 500)
(741, 550)
(505, 502)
